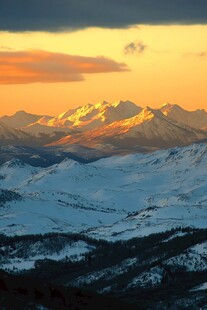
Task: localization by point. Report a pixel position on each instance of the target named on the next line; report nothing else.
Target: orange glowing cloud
(26, 67)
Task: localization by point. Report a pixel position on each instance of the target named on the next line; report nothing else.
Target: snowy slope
(113, 198)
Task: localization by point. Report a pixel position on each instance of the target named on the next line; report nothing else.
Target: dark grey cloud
(136, 47)
(61, 15)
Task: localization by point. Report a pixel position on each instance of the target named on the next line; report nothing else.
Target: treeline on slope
(20, 246)
(150, 251)
(173, 293)
(107, 254)
(7, 195)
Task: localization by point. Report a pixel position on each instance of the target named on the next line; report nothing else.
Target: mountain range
(117, 127)
(147, 128)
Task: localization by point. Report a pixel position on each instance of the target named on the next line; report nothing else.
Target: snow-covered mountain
(148, 128)
(113, 198)
(22, 119)
(93, 116)
(49, 129)
(110, 128)
(196, 119)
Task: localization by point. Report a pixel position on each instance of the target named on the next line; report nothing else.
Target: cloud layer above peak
(26, 67)
(61, 15)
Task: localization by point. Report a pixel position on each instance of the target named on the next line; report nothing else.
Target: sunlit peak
(166, 105)
(101, 104)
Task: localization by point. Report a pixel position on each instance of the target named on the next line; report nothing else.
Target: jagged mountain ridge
(93, 116)
(103, 113)
(148, 128)
(80, 119)
(115, 125)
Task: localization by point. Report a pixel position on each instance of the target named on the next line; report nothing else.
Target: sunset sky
(60, 54)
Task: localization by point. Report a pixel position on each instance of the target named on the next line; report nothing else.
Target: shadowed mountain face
(196, 119)
(22, 119)
(107, 127)
(10, 135)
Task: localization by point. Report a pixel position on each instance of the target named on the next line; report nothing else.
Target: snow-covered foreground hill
(114, 198)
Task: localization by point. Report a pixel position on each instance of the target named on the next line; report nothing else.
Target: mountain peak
(166, 108)
(20, 119)
(100, 104)
(125, 103)
(168, 105)
(21, 112)
(148, 111)
(165, 105)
